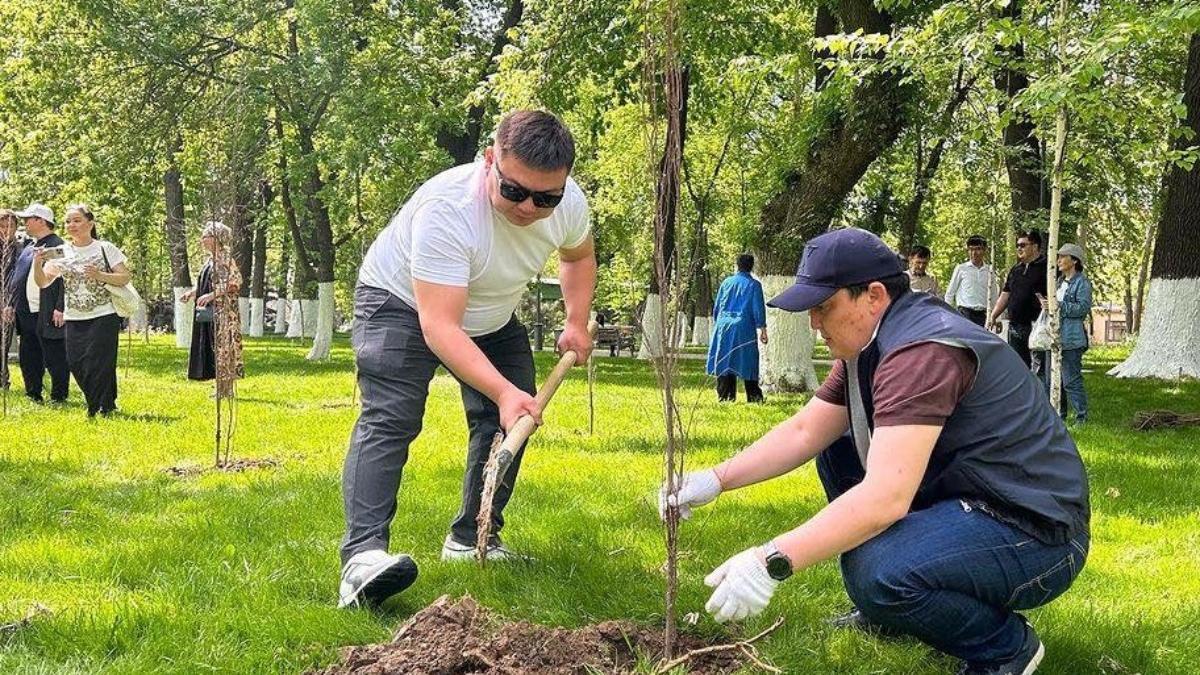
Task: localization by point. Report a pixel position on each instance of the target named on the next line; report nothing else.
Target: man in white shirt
(439, 286)
(973, 285)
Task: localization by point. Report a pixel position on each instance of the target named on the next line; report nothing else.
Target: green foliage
(142, 571)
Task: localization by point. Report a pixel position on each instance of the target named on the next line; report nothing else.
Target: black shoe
(36, 400)
(858, 621)
(1024, 663)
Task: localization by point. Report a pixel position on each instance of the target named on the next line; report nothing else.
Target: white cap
(36, 210)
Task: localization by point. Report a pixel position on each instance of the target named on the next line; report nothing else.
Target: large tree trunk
(1023, 150)
(462, 142)
(176, 234)
(854, 136)
(1168, 345)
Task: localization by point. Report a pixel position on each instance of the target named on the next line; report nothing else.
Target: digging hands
(696, 489)
(575, 338)
(515, 404)
(742, 587)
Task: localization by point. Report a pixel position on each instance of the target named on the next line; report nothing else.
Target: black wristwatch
(779, 567)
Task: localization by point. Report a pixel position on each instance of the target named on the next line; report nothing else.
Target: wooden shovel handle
(525, 426)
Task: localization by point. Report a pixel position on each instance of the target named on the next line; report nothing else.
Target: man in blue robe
(739, 310)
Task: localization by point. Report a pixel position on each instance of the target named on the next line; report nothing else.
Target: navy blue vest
(1003, 445)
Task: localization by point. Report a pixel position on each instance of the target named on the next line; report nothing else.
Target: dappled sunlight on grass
(141, 569)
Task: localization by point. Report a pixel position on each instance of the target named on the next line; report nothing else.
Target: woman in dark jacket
(216, 329)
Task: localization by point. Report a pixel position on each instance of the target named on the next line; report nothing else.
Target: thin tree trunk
(1168, 345)
(258, 273)
(910, 213)
(654, 318)
(177, 246)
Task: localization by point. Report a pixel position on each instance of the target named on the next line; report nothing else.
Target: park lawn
(123, 567)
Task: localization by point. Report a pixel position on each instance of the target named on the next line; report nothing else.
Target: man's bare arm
(895, 466)
(790, 444)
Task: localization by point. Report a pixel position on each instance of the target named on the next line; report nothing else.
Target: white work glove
(696, 489)
(743, 587)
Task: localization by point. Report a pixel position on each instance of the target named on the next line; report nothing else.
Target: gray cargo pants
(394, 369)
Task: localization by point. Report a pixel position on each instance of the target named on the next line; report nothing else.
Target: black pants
(1018, 339)
(727, 389)
(394, 369)
(975, 316)
(92, 354)
(38, 355)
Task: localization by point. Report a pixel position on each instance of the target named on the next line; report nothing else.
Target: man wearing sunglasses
(439, 287)
(1025, 282)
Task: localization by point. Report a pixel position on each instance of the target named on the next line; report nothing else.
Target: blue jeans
(1072, 380)
(951, 575)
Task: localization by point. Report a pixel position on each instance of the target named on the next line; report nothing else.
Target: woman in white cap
(216, 329)
(1074, 306)
(93, 328)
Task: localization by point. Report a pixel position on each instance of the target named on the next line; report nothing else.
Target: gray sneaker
(455, 551)
(371, 577)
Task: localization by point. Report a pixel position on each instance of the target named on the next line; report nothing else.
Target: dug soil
(461, 636)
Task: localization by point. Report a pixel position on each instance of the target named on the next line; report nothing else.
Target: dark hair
(538, 139)
(1033, 236)
(745, 262)
(86, 212)
(976, 240)
(921, 251)
(896, 286)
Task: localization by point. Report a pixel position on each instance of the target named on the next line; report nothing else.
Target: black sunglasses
(517, 193)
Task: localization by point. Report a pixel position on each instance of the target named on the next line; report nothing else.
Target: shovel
(505, 447)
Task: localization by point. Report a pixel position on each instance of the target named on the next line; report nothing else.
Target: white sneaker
(452, 551)
(370, 577)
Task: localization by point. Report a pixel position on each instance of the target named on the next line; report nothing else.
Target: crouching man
(956, 497)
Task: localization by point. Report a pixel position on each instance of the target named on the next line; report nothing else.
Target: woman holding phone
(93, 328)
(216, 329)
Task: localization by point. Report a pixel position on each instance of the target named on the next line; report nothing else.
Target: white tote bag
(125, 299)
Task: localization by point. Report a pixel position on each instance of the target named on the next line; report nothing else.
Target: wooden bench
(617, 338)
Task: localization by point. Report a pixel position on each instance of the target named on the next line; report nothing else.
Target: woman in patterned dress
(93, 328)
(217, 344)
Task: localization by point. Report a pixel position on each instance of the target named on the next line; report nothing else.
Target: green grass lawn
(126, 568)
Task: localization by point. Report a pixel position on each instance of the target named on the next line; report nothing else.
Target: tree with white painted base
(787, 358)
(1168, 345)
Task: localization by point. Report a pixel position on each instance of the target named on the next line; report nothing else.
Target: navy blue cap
(836, 260)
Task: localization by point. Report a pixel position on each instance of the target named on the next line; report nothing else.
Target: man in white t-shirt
(440, 285)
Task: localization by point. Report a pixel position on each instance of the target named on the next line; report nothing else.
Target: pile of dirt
(461, 636)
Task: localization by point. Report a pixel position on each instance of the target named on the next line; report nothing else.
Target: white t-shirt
(448, 233)
(85, 298)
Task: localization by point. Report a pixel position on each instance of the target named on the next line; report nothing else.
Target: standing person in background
(738, 310)
(918, 277)
(1074, 306)
(973, 284)
(216, 309)
(38, 312)
(1026, 280)
(93, 328)
(10, 250)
